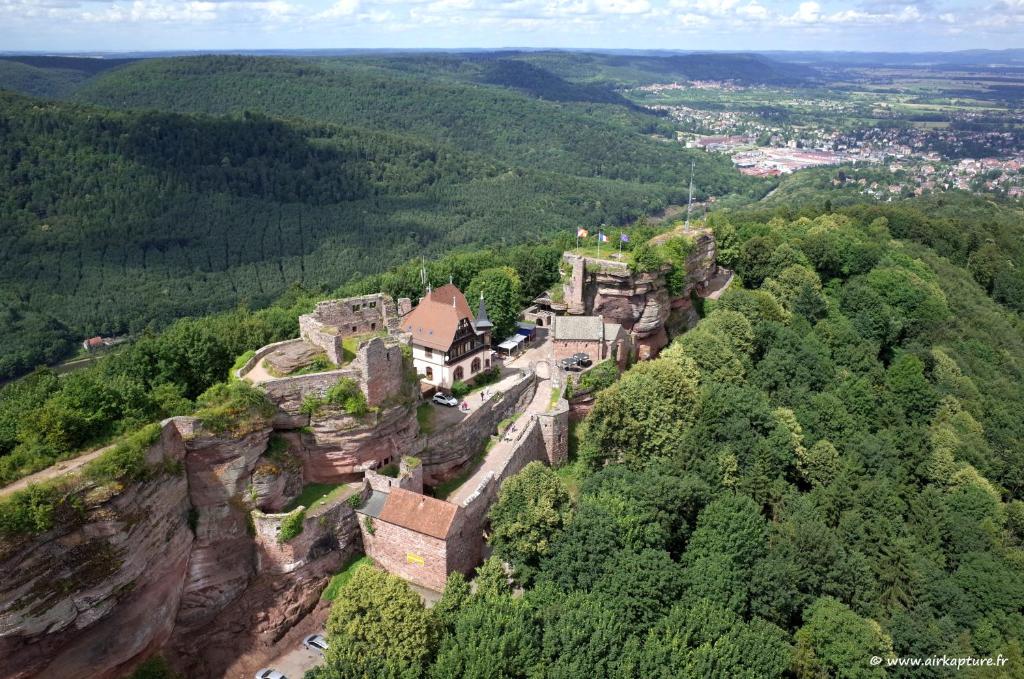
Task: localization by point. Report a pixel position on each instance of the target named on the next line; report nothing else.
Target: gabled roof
(588, 328)
(419, 513)
(435, 319)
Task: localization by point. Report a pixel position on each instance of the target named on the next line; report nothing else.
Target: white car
(315, 642)
(267, 673)
(445, 399)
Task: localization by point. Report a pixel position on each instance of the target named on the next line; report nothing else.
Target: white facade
(432, 368)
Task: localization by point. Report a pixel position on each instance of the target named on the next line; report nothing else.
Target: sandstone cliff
(641, 302)
(90, 596)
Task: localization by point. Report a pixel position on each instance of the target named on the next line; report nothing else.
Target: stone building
(335, 319)
(590, 335)
(448, 343)
(419, 538)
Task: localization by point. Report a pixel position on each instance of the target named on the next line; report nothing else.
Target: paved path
(53, 471)
(258, 374)
(718, 285)
(445, 416)
(499, 455)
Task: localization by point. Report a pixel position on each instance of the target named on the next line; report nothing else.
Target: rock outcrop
(89, 597)
(339, 447)
(640, 302)
(223, 558)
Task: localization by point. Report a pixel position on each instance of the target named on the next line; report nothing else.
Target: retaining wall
(445, 452)
(262, 353)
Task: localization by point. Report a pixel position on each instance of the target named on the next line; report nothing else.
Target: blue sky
(896, 25)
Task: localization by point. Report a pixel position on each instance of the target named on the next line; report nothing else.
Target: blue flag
(623, 238)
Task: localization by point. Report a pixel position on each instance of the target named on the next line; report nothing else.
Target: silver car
(315, 642)
(267, 673)
(445, 400)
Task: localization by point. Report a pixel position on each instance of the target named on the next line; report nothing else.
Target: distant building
(448, 343)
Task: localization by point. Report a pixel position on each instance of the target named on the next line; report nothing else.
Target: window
(372, 305)
(458, 374)
(475, 367)
(430, 373)
(428, 352)
(354, 328)
(355, 307)
(373, 326)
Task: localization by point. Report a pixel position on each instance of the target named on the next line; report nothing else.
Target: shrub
(644, 259)
(236, 407)
(347, 394)
(239, 362)
(37, 508)
(126, 461)
(489, 376)
(599, 377)
(390, 470)
(355, 502)
(460, 389)
(155, 668)
(339, 579)
(291, 525)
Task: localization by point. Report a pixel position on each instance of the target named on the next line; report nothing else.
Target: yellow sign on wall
(414, 558)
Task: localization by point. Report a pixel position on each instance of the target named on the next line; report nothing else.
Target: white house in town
(448, 344)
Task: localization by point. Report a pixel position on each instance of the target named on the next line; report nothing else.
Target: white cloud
(753, 11)
(340, 9)
(622, 6)
(807, 13)
(691, 20)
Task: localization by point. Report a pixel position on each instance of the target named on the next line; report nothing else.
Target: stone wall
(328, 528)
(554, 427)
(528, 446)
(288, 393)
(377, 368)
(410, 477)
(412, 556)
(262, 353)
(333, 320)
(446, 451)
(381, 370)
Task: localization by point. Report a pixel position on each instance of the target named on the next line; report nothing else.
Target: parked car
(583, 359)
(315, 642)
(570, 364)
(267, 673)
(446, 399)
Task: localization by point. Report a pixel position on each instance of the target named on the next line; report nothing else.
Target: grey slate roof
(586, 328)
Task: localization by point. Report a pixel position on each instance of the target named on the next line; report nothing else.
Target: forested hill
(437, 101)
(54, 77)
(276, 172)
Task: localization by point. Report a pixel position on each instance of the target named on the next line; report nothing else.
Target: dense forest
(277, 172)
(828, 468)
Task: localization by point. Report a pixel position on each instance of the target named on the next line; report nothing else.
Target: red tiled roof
(419, 513)
(435, 319)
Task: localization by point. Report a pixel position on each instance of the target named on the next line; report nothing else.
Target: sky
(731, 25)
